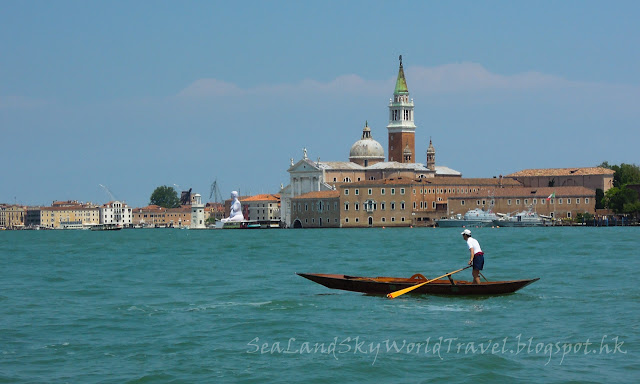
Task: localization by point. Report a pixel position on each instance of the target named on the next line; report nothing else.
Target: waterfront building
(557, 202)
(263, 207)
(116, 213)
(64, 214)
(408, 202)
(154, 216)
(589, 177)
(316, 210)
(377, 203)
(12, 216)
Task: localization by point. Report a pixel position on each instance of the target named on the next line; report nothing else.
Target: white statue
(236, 209)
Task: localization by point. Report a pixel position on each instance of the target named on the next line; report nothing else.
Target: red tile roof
(563, 172)
(319, 195)
(262, 197)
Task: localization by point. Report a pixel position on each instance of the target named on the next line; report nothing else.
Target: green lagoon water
(184, 306)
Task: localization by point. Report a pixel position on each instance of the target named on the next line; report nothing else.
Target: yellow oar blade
(395, 294)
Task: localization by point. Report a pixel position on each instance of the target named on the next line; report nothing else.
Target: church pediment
(304, 165)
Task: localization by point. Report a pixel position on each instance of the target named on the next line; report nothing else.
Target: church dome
(366, 151)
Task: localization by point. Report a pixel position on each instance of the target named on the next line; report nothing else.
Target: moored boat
(106, 227)
(385, 285)
(473, 218)
(528, 218)
(244, 224)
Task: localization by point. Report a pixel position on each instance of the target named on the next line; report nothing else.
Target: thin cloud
(464, 79)
(204, 88)
(473, 77)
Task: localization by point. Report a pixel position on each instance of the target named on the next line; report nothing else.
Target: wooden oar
(483, 276)
(395, 294)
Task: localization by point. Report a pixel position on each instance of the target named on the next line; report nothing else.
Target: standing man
(477, 256)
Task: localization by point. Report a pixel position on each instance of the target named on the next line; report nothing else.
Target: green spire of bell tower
(401, 83)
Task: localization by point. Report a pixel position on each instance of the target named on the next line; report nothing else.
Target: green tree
(626, 174)
(617, 198)
(165, 196)
(632, 208)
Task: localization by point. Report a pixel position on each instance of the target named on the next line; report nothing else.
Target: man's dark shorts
(478, 261)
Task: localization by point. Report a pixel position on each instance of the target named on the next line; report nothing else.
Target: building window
(370, 191)
(402, 191)
(462, 202)
(414, 191)
(346, 206)
(402, 219)
(526, 201)
(433, 204)
(370, 206)
(560, 201)
(393, 219)
(382, 205)
(402, 205)
(393, 206)
(347, 179)
(356, 206)
(393, 191)
(569, 214)
(517, 201)
(346, 191)
(535, 201)
(306, 207)
(542, 201)
(382, 191)
(568, 201)
(383, 219)
(357, 220)
(509, 202)
(477, 202)
(577, 200)
(586, 200)
(357, 192)
(346, 219)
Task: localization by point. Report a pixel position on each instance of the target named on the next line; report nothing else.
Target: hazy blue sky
(137, 94)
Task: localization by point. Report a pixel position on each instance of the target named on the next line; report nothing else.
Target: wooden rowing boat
(385, 285)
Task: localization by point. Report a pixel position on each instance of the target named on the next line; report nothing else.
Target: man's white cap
(466, 232)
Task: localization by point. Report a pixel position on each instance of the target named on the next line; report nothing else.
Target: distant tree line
(621, 199)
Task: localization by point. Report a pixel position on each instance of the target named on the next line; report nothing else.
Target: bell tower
(401, 128)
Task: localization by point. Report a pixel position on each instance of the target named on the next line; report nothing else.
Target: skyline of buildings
(318, 181)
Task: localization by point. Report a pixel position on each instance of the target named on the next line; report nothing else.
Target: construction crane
(215, 191)
(113, 198)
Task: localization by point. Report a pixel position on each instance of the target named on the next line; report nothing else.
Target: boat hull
(454, 223)
(245, 224)
(514, 223)
(385, 285)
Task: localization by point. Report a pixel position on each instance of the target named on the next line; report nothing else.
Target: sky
(102, 99)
